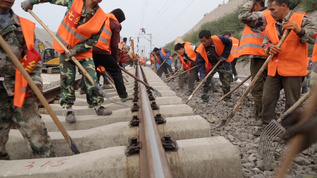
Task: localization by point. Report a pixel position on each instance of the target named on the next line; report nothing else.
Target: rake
(274, 129)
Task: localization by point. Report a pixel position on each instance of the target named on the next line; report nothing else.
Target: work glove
(26, 5)
(70, 54)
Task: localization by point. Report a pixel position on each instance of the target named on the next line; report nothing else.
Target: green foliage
(309, 5)
(294, 3)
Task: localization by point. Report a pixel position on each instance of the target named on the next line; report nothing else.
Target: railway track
(147, 137)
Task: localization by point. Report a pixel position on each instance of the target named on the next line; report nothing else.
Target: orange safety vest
(101, 69)
(235, 47)
(314, 56)
(219, 50)
(70, 34)
(190, 53)
(291, 61)
(251, 42)
(104, 40)
(29, 61)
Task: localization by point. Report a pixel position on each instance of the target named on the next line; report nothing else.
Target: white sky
(164, 19)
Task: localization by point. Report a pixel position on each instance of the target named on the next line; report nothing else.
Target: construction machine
(50, 59)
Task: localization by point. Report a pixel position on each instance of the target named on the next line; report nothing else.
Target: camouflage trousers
(68, 74)
(225, 76)
(29, 123)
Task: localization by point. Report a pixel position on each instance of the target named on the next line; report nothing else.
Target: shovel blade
(221, 124)
(156, 92)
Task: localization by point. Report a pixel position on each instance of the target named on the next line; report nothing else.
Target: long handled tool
(236, 107)
(294, 145)
(203, 81)
(227, 94)
(173, 76)
(275, 129)
(156, 92)
(38, 93)
(161, 65)
(184, 72)
(85, 73)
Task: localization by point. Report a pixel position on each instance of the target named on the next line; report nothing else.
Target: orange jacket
(235, 47)
(292, 60)
(190, 53)
(29, 61)
(251, 42)
(104, 40)
(70, 34)
(219, 49)
(314, 56)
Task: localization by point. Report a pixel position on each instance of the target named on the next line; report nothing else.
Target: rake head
(267, 146)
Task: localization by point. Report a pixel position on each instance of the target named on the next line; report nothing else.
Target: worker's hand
(275, 49)
(70, 54)
(291, 25)
(222, 59)
(26, 5)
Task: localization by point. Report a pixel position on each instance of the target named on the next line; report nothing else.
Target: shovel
(184, 72)
(85, 73)
(161, 65)
(156, 92)
(236, 107)
(39, 95)
(203, 81)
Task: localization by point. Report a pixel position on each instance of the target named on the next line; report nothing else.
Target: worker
(288, 67)
(123, 42)
(314, 56)
(234, 53)
(105, 52)
(17, 106)
(90, 23)
(124, 56)
(251, 48)
(210, 51)
(187, 57)
(161, 55)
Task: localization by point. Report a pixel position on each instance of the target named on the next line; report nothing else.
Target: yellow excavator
(50, 59)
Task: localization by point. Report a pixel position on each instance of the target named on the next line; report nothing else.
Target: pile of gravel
(242, 129)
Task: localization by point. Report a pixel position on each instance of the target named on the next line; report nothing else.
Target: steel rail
(155, 165)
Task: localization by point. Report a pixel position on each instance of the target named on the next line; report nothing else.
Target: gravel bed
(241, 132)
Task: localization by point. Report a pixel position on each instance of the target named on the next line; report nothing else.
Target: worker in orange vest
(288, 67)
(106, 52)
(234, 53)
(79, 32)
(210, 51)
(187, 57)
(251, 48)
(124, 56)
(17, 100)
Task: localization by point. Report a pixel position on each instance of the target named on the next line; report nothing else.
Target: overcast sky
(164, 19)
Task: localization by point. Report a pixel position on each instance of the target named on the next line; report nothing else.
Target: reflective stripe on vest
(314, 57)
(219, 50)
(251, 42)
(190, 53)
(235, 47)
(292, 60)
(104, 40)
(71, 35)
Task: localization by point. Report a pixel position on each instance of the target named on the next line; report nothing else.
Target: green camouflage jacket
(12, 34)
(88, 44)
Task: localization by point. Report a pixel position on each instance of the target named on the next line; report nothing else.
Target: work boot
(106, 86)
(102, 111)
(70, 117)
(229, 103)
(81, 91)
(126, 99)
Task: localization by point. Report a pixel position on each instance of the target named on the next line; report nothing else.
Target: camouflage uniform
(27, 118)
(67, 68)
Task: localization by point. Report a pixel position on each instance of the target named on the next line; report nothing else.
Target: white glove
(26, 5)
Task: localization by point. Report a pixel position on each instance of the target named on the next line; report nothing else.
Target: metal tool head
(268, 138)
(156, 92)
(221, 124)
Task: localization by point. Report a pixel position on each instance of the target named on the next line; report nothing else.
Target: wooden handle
(37, 92)
(227, 94)
(85, 73)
